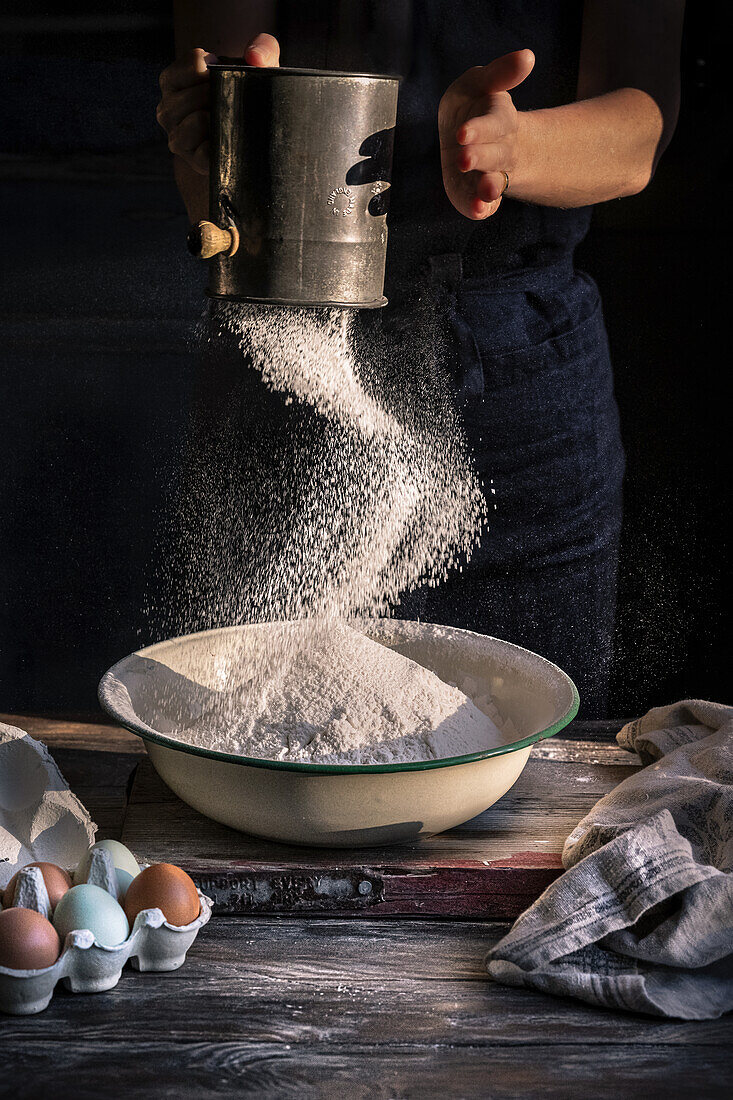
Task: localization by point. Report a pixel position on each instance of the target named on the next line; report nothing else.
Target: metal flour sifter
(299, 182)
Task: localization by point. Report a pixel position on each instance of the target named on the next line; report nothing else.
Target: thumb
(507, 71)
(263, 52)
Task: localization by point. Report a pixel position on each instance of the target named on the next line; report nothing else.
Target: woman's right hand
(183, 111)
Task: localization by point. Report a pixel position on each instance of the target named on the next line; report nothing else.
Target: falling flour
(382, 498)
(333, 696)
(365, 492)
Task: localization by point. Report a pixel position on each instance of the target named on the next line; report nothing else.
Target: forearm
(587, 152)
(603, 146)
(194, 190)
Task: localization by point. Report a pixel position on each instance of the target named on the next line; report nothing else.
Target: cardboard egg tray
(89, 967)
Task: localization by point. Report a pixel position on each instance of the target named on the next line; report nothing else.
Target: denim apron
(527, 357)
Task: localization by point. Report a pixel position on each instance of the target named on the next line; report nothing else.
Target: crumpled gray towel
(642, 919)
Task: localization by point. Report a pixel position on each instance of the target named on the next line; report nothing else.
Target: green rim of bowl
(332, 769)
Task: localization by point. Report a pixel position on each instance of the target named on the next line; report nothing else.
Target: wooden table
(347, 1006)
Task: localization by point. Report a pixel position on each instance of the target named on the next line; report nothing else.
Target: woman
(496, 169)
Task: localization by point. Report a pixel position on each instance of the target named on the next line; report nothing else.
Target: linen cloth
(642, 919)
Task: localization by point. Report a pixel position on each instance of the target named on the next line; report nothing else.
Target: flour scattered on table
(331, 695)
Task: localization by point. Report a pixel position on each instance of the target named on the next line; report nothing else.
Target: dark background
(99, 307)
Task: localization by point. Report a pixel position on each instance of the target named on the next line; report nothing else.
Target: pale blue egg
(126, 867)
(88, 906)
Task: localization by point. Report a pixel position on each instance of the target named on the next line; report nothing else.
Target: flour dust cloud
(328, 476)
(323, 481)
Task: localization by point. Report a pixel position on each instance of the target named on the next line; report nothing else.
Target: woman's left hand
(479, 127)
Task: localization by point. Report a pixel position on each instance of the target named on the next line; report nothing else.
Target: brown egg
(56, 879)
(165, 887)
(27, 940)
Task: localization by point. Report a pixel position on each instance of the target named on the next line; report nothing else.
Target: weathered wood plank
(461, 892)
(107, 810)
(492, 866)
(584, 752)
(372, 1008)
(426, 1014)
(64, 733)
(174, 1069)
(602, 730)
(360, 983)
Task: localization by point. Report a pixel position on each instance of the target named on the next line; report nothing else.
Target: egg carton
(86, 966)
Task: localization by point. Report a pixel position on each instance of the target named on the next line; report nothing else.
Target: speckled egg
(89, 906)
(56, 879)
(27, 940)
(166, 887)
(126, 866)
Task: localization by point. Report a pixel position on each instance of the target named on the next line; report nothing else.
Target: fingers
(481, 93)
(478, 126)
(490, 186)
(482, 126)
(175, 106)
(481, 210)
(482, 195)
(482, 119)
(470, 84)
(263, 52)
(186, 71)
(475, 196)
(506, 72)
(499, 75)
(489, 157)
(189, 135)
(183, 111)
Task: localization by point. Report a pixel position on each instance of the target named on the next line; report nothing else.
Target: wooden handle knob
(206, 240)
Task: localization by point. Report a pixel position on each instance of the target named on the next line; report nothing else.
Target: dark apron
(527, 357)
(542, 426)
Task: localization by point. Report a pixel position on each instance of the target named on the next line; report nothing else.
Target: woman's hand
(183, 111)
(479, 130)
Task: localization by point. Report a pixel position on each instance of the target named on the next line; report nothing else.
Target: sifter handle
(206, 240)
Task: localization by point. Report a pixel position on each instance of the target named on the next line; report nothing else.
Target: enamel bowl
(168, 686)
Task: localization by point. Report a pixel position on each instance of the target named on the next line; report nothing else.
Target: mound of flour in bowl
(337, 697)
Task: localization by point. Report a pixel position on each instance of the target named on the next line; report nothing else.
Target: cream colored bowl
(167, 686)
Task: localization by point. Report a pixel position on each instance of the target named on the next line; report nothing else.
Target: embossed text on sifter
(301, 161)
